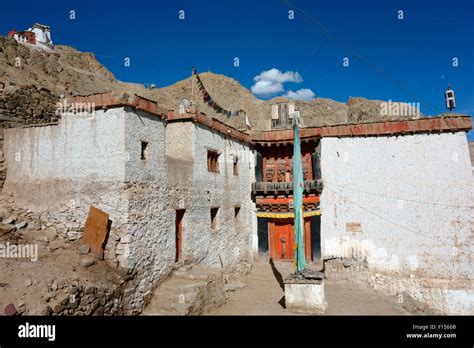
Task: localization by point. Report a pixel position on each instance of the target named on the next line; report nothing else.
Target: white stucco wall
(404, 205)
(78, 147)
(69, 166)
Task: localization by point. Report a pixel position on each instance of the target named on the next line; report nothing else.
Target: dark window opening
(144, 153)
(236, 212)
(214, 218)
(236, 166)
(212, 161)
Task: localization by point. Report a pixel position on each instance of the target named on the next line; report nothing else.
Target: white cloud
(266, 88)
(275, 75)
(301, 94)
(271, 81)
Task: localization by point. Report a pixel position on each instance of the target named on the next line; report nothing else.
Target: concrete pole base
(305, 296)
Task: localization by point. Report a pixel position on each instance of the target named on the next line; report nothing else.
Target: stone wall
(161, 184)
(27, 105)
(69, 174)
(231, 241)
(83, 299)
(61, 170)
(404, 206)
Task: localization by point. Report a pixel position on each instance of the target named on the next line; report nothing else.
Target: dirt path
(263, 295)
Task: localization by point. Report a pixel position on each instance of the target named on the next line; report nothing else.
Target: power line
(314, 53)
(379, 71)
(443, 243)
(399, 198)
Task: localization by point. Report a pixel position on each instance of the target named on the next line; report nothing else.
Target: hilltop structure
(39, 35)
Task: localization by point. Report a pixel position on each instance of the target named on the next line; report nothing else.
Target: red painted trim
(110, 100)
(422, 125)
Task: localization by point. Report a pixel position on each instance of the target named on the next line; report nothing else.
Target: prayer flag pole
(298, 188)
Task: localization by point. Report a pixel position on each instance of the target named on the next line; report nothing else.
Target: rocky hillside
(67, 71)
(231, 95)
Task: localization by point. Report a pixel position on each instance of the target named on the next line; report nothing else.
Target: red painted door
(179, 232)
(282, 239)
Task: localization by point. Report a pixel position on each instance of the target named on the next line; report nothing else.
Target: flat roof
(447, 123)
(109, 100)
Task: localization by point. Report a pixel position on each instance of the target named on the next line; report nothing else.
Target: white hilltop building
(39, 35)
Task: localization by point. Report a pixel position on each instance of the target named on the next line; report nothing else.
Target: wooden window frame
(213, 161)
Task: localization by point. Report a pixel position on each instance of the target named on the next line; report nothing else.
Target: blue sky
(403, 60)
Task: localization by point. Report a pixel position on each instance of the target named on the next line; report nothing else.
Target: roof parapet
(450, 123)
(109, 100)
(396, 127)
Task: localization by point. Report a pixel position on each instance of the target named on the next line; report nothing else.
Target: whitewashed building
(39, 36)
(177, 189)
(396, 195)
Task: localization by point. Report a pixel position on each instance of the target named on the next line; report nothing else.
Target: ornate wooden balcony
(265, 187)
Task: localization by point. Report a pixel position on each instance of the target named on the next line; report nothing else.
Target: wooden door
(282, 239)
(179, 232)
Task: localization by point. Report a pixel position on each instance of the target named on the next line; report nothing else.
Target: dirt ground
(263, 295)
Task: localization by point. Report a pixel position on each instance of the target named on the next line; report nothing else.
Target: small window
(236, 166)
(214, 218)
(236, 213)
(212, 161)
(144, 154)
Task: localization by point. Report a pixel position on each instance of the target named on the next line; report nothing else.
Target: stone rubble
(64, 224)
(75, 296)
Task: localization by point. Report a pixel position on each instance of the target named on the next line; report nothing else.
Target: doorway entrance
(282, 239)
(179, 232)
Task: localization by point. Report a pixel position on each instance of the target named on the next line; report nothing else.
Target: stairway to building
(191, 290)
